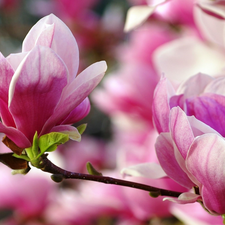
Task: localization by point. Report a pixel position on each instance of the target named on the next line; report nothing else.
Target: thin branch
(59, 174)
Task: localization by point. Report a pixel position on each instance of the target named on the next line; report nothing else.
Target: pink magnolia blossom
(173, 11)
(191, 153)
(40, 87)
(190, 149)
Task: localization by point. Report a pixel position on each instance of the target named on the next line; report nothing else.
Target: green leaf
(23, 156)
(82, 128)
(91, 170)
(32, 151)
(223, 216)
(50, 141)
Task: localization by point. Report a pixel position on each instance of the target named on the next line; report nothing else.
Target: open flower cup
(191, 145)
(40, 90)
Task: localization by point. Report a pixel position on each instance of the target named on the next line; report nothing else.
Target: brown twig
(59, 174)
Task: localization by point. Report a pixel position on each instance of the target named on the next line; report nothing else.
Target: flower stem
(60, 174)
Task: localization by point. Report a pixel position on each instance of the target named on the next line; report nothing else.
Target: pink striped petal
(76, 92)
(160, 106)
(35, 89)
(205, 161)
(63, 42)
(46, 36)
(6, 73)
(209, 108)
(165, 153)
(79, 112)
(181, 131)
(67, 129)
(16, 136)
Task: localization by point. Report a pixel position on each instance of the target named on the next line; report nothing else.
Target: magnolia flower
(192, 154)
(191, 150)
(40, 89)
(169, 10)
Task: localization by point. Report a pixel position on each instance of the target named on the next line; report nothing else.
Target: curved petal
(16, 136)
(184, 198)
(136, 15)
(15, 59)
(35, 89)
(199, 128)
(79, 112)
(67, 129)
(216, 86)
(181, 131)
(160, 106)
(46, 36)
(210, 109)
(6, 74)
(76, 92)
(63, 42)
(205, 161)
(212, 27)
(195, 85)
(165, 153)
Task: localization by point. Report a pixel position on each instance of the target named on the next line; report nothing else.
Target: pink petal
(195, 85)
(67, 129)
(205, 161)
(177, 100)
(160, 106)
(181, 131)
(6, 73)
(184, 198)
(165, 153)
(35, 89)
(16, 136)
(212, 27)
(216, 86)
(79, 112)
(46, 36)
(63, 42)
(76, 92)
(136, 15)
(210, 109)
(15, 59)
(199, 128)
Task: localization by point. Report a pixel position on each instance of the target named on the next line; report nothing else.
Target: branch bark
(58, 174)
